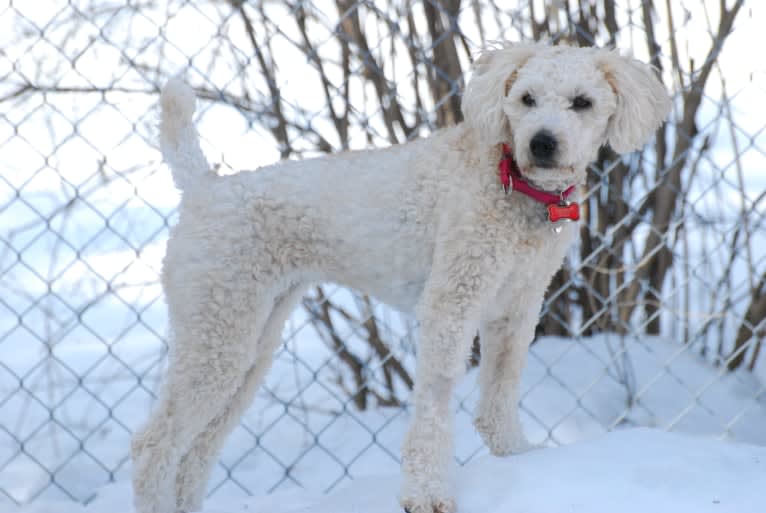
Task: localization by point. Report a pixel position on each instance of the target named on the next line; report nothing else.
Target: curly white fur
(423, 226)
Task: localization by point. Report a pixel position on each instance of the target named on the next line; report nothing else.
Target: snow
(573, 390)
(581, 386)
(633, 470)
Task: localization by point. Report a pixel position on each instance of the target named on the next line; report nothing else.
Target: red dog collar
(558, 206)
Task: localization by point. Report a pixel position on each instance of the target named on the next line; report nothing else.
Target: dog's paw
(501, 438)
(428, 505)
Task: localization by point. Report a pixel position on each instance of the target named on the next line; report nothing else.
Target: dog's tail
(179, 140)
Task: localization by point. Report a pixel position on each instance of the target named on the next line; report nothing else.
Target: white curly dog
(428, 226)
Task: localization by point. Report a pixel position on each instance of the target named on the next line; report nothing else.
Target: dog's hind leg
(197, 464)
(214, 316)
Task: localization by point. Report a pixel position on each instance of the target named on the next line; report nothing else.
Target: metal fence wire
(656, 319)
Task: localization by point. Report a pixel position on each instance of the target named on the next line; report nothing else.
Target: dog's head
(556, 105)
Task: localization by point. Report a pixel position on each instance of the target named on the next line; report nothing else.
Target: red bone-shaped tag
(559, 212)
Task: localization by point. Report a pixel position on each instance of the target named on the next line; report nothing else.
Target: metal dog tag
(563, 212)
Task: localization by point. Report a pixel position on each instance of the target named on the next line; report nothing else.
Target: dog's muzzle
(543, 149)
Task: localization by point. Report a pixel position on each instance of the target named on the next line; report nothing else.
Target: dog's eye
(528, 100)
(581, 103)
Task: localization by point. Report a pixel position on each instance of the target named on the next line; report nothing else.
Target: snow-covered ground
(573, 391)
(635, 470)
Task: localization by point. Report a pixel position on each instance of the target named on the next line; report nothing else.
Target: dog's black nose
(543, 146)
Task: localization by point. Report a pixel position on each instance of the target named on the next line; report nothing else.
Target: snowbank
(636, 470)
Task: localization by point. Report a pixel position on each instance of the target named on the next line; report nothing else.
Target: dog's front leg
(449, 317)
(506, 331)
(428, 448)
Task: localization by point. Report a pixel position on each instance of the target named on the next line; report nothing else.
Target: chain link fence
(657, 319)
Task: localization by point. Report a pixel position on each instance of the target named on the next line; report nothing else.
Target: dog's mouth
(548, 178)
(533, 169)
(553, 179)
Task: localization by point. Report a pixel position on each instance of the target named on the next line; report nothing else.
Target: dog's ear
(642, 101)
(493, 75)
